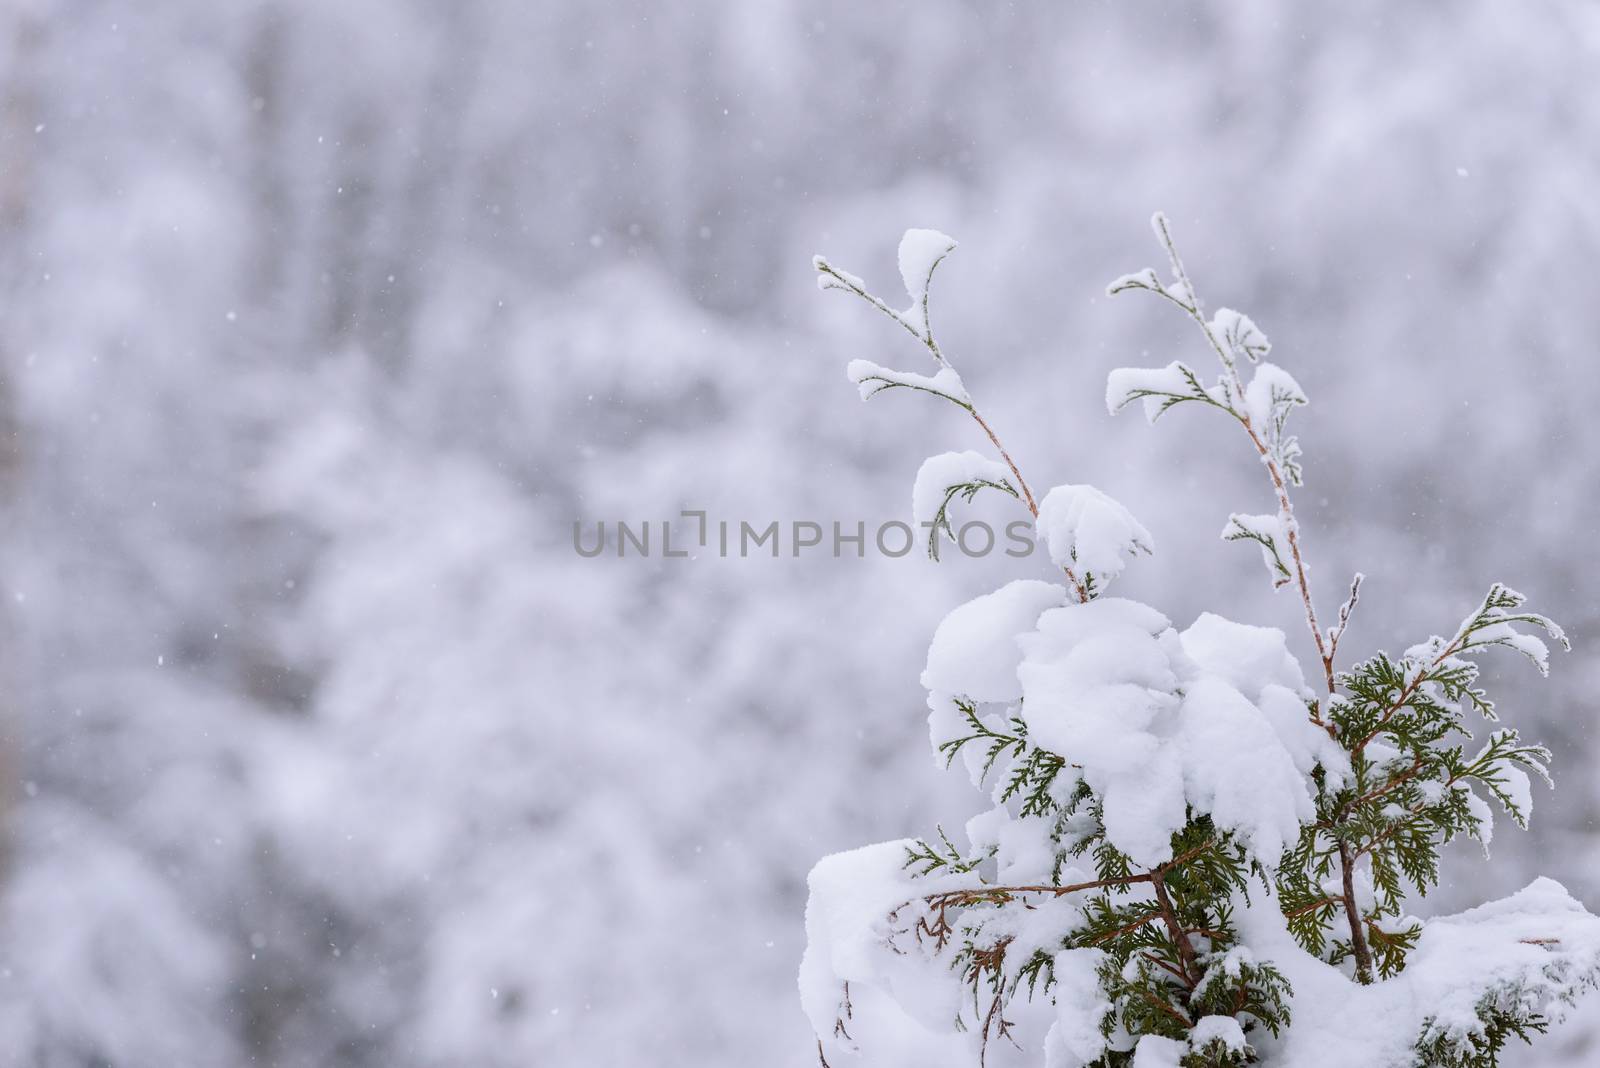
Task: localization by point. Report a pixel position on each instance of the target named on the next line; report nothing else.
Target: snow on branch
(1495, 624)
(1269, 398)
(920, 253)
(1472, 981)
(942, 479)
(850, 923)
(1161, 389)
(1267, 532)
(1523, 960)
(871, 380)
(1089, 532)
(1262, 408)
(1240, 334)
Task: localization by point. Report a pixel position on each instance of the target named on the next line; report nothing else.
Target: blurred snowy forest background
(321, 322)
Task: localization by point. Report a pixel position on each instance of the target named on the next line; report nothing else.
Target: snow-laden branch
(1188, 858)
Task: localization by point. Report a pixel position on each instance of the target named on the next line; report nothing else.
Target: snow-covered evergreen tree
(1190, 854)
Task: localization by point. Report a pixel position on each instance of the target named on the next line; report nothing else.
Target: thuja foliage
(1405, 724)
(1182, 829)
(1170, 957)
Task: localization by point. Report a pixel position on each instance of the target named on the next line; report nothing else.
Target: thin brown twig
(1175, 931)
(1164, 966)
(1394, 828)
(1183, 1021)
(1358, 935)
(1393, 784)
(1345, 611)
(1127, 928)
(1191, 305)
(925, 335)
(1332, 899)
(982, 893)
(1022, 483)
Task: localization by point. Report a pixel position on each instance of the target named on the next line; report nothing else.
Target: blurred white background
(321, 323)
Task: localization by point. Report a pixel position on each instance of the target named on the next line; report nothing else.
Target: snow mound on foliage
(1091, 533)
(1157, 722)
(975, 654)
(858, 987)
(1537, 950)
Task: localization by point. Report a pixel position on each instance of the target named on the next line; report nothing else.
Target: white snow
(1269, 533)
(1022, 849)
(1156, 385)
(974, 652)
(825, 281)
(1082, 528)
(1539, 942)
(851, 896)
(851, 915)
(1237, 768)
(1308, 745)
(1081, 1004)
(1518, 790)
(1482, 814)
(920, 252)
(939, 474)
(1224, 1029)
(871, 379)
(1154, 1051)
(1247, 657)
(1156, 726)
(1270, 388)
(1240, 334)
(1145, 279)
(1529, 645)
(1536, 949)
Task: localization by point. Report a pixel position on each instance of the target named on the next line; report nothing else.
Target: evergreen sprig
(1481, 1049)
(1262, 531)
(943, 856)
(996, 741)
(1166, 399)
(966, 491)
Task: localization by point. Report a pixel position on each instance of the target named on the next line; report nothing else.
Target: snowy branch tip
(919, 255)
(944, 478)
(871, 380)
(1091, 533)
